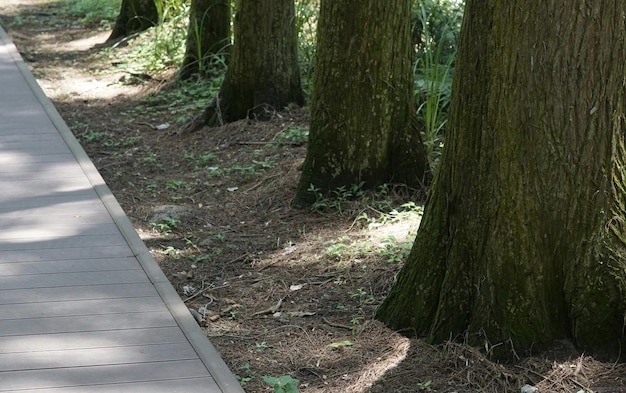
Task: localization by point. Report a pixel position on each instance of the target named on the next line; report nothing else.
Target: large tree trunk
(208, 34)
(135, 16)
(363, 125)
(523, 236)
(263, 75)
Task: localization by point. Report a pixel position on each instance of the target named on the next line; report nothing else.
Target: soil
(279, 291)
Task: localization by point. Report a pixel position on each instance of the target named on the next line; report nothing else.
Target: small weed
(424, 385)
(340, 344)
(406, 211)
(205, 158)
(171, 251)
(260, 347)
(174, 184)
(394, 251)
(125, 142)
(282, 384)
(355, 322)
(92, 136)
(341, 249)
(249, 374)
(361, 295)
(291, 136)
(265, 164)
(166, 225)
(339, 197)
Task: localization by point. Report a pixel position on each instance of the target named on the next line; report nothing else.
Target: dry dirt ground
(279, 291)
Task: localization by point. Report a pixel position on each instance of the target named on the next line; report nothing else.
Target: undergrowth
(101, 12)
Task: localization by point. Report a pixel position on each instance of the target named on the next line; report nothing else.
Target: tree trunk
(135, 16)
(523, 237)
(263, 75)
(363, 125)
(208, 34)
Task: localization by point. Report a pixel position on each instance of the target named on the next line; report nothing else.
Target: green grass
(101, 12)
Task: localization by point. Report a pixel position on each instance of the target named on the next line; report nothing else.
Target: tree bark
(208, 34)
(263, 75)
(135, 16)
(523, 237)
(363, 124)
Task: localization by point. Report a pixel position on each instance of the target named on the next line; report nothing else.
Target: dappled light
(287, 295)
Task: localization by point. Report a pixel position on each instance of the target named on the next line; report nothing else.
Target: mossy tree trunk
(208, 34)
(523, 236)
(263, 75)
(363, 125)
(135, 16)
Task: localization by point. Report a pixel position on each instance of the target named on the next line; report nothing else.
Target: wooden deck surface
(83, 306)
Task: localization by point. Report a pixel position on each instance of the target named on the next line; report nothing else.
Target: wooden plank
(36, 147)
(16, 159)
(79, 279)
(49, 187)
(94, 375)
(43, 221)
(100, 308)
(89, 323)
(68, 254)
(49, 229)
(63, 242)
(87, 340)
(90, 292)
(96, 356)
(25, 138)
(39, 171)
(61, 198)
(72, 266)
(29, 208)
(187, 385)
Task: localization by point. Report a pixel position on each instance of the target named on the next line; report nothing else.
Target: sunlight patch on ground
(75, 84)
(402, 231)
(83, 44)
(69, 82)
(148, 235)
(377, 369)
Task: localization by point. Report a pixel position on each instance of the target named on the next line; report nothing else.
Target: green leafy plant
(282, 384)
(93, 11)
(439, 26)
(339, 196)
(291, 136)
(248, 376)
(92, 136)
(306, 24)
(260, 347)
(424, 385)
(163, 45)
(167, 224)
(340, 344)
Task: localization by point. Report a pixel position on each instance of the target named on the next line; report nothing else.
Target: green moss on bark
(531, 233)
(362, 112)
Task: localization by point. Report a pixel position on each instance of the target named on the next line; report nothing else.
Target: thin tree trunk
(523, 237)
(135, 16)
(263, 75)
(208, 34)
(363, 125)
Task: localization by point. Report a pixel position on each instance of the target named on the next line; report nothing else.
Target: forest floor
(279, 291)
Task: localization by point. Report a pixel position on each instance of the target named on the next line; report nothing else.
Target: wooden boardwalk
(83, 306)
